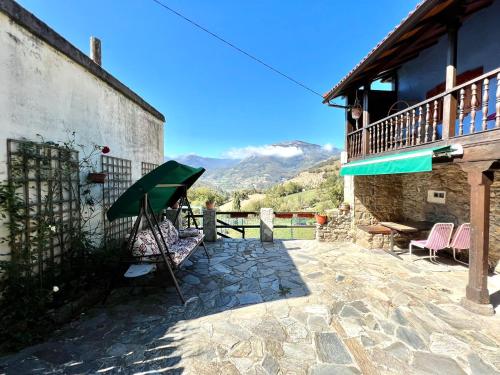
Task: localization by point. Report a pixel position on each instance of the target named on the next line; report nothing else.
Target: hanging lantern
(356, 109)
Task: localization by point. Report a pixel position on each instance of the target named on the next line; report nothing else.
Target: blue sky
(214, 98)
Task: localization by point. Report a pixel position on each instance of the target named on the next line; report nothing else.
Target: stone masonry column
(266, 224)
(209, 225)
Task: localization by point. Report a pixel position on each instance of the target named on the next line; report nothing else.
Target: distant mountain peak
(261, 166)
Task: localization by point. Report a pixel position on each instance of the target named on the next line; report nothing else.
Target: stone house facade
(426, 148)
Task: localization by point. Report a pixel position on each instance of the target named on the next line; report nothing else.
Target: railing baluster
(391, 132)
(371, 141)
(413, 123)
(381, 139)
(386, 135)
(427, 121)
(369, 132)
(473, 108)
(497, 117)
(419, 125)
(401, 133)
(434, 121)
(408, 126)
(486, 98)
(461, 112)
(378, 138)
(409, 122)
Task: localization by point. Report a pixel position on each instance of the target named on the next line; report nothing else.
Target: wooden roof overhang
(419, 30)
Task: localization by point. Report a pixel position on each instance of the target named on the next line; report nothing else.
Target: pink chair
(461, 240)
(438, 239)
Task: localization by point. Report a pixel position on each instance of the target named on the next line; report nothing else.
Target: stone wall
(338, 228)
(377, 198)
(449, 178)
(404, 197)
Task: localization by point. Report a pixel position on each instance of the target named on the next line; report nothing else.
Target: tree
(200, 195)
(237, 201)
(333, 187)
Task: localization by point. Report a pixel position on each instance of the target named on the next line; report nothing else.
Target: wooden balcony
(435, 120)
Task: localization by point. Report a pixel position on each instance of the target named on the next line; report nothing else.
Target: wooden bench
(375, 229)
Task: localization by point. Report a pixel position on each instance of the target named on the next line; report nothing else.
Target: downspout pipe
(337, 105)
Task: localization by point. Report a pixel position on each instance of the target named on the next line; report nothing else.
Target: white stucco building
(49, 87)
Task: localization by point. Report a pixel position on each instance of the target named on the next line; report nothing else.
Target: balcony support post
(450, 101)
(477, 298)
(365, 140)
(347, 127)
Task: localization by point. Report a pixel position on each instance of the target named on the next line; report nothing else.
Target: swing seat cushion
(183, 248)
(189, 232)
(145, 244)
(146, 247)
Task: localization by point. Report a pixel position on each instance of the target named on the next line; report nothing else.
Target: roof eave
(41, 30)
(402, 28)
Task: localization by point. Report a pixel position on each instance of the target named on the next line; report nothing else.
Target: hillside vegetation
(316, 189)
(262, 171)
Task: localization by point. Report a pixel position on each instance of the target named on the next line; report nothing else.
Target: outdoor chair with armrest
(439, 239)
(461, 240)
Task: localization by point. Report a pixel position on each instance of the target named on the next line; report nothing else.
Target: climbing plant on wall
(51, 222)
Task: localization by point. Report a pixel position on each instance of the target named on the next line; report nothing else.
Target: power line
(237, 48)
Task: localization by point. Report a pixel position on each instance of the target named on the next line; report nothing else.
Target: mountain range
(260, 167)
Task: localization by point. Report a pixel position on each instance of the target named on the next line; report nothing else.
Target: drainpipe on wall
(95, 50)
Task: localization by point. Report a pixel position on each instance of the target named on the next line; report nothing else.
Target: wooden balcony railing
(478, 110)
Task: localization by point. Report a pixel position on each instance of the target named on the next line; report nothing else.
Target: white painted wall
(44, 92)
(478, 45)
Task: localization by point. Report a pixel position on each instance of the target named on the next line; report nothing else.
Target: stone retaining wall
(338, 228)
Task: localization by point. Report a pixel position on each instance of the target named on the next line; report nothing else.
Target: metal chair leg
(455, 257)
(205, 248)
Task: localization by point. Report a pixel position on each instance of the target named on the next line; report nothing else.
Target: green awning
(155, 183)
(404, 162)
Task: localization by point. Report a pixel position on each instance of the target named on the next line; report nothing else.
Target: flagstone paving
(292, 307)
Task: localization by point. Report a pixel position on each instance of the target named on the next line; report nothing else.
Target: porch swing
(159, 242)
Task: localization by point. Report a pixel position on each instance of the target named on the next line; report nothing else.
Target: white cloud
(266, 150)
(328, 147)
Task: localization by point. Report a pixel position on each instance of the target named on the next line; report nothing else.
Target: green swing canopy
(164, 186)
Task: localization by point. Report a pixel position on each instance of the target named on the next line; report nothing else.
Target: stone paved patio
(292, 307)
